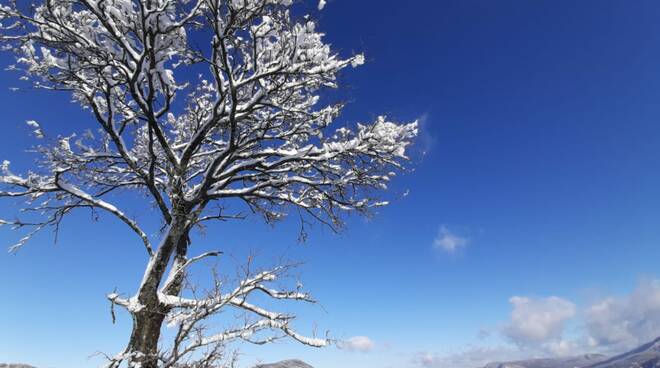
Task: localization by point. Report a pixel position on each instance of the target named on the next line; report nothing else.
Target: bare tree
(250, 129)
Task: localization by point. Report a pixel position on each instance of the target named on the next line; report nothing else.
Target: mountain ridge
(644, 356)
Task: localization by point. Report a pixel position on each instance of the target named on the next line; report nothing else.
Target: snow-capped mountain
(645, 356)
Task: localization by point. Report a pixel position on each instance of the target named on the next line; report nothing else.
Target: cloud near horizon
(535, 321)
(536, 327)
(625, 321)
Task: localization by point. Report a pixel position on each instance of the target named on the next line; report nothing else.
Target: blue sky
(540, 123)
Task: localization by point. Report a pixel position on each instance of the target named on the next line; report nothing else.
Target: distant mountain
(570, 362)
(645, 356)
(283, 364)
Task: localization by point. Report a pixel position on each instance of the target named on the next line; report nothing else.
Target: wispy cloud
(359, 344)
(449, 241)
(426, 141)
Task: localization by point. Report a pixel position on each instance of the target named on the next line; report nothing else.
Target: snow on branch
(50, 195)
(250, 133)
(261, 324)
(251, 128)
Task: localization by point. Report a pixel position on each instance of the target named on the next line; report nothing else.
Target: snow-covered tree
(193, 103)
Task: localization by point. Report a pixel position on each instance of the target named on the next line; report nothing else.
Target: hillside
(645, 356)
(286, 364)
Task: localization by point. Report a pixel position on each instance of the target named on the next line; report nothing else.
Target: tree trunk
(145, 336)
(149, 317)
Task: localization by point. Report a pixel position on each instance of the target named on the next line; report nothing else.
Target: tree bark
(148, 318)
(145, 336)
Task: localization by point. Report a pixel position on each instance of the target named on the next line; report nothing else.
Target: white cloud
(538, 321)
(626, 321)
(610, 325)
(448, 241)
(322, 4)
(360, 344)
(535, 328)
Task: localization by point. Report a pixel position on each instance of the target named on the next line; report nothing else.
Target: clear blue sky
(542, 124)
